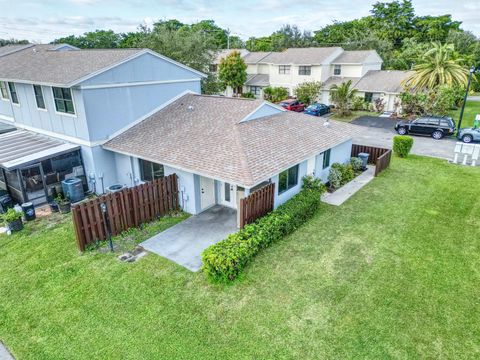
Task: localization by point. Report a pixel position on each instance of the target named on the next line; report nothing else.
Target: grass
(472, 108)
(353, 115)
(392, 273)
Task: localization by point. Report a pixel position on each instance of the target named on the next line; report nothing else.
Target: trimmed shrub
(402, 144)
(225, 260)
(335, 177)
(357, 164)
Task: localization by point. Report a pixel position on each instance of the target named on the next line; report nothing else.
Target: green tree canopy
(232, 71)
(308, 91)
(342, 96)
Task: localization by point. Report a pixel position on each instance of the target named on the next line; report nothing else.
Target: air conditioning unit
(115, 188)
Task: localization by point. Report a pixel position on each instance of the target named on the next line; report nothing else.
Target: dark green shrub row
(402, 144)
(224, 261)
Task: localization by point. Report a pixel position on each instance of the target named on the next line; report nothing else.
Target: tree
(275, 94)
(342, 96)
(98, 39)
(439, 67)
(232, 71)
(308, 91)
(4, 42)
(394, 20)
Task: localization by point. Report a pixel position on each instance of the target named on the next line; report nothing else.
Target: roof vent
(34, 50)
(190, 108)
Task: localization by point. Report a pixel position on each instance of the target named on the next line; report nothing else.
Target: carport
(32, 165)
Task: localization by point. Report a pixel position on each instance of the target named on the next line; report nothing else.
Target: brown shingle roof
(9, 49)
(205, 135)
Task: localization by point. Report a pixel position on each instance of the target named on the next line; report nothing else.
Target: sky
(45, 20)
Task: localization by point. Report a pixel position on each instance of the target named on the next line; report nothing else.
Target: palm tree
(342, 96)
(438, 68)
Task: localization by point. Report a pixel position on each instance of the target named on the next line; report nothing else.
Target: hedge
(402, 144)
(225, 260)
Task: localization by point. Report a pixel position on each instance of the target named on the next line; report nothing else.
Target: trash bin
(364, 157)
(28, 211)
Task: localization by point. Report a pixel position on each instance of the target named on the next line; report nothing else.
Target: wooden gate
(380, 157)
(128, 208)
(257, 204)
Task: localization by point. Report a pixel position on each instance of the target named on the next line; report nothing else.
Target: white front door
(207, 192)
(228, 194)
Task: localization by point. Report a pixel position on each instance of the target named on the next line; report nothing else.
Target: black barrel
(28, 211)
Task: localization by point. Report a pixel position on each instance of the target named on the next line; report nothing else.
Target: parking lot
(376, 131)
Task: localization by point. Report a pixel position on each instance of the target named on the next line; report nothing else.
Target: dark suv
(434, 126)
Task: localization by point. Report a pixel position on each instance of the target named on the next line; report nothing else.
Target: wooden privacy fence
(127, 208)
(380, 157)
(257, 204)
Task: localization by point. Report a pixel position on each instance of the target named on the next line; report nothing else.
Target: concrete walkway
(4, 353)
(345, 192)
(184, 242)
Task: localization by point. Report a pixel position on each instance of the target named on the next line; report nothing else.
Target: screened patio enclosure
(33, 166)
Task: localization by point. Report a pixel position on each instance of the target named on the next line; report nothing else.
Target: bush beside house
(224, 261)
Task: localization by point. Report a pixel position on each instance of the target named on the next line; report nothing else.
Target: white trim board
(137, 83)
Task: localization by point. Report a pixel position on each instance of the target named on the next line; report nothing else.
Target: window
(284, 69)
(326, 159)
(63, 100)
(37, 89)
(337, 70)
(368, 97)
(287, 179)
(3, 90)
(13, 93)
(304, 70)
(150, 171)
(256, 90)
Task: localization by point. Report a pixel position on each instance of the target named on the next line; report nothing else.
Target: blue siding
(143, 68)
(265, 110)
(111, 109)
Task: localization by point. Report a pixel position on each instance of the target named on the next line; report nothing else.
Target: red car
(292, 105)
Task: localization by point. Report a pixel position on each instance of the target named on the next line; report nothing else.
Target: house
(328, 65)
(66, 103)
(222, 149)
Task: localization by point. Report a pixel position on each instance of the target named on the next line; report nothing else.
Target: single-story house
(222, 149)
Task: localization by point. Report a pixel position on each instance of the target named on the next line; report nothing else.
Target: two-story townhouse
(331, 65)
(67, 102)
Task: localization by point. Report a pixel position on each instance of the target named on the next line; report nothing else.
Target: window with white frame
(256, 90)
(337, 70)
(63, 100)
(284, 69)
(37, 90)
(13, 93)
(4, 90)
(304, 70)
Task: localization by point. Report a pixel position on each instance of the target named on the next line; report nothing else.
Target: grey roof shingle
(255, 57)
(9, 49)
(219, 55)
(308, 56)
(258, 80)
(337, 80)
(354, 56)
(205, 135)
(39, 64)
(382, 81)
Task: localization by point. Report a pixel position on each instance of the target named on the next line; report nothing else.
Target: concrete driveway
(379, 132)
(185, 242)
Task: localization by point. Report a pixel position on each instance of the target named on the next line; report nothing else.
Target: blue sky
(44, 20)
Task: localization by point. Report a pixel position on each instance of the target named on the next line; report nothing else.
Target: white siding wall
(186, 184)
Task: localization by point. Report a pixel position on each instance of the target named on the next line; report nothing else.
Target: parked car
(434, 126)
(317, 109)
(292, 105)
(467, 135)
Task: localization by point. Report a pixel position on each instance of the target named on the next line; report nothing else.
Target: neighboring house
(68, 102)
(224, 148)
(330, 65)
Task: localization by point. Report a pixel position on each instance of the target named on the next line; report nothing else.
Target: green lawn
(353, 115)
(472, 108)
(392, 273)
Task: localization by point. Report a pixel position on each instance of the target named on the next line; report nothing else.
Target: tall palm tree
(342, 96)
(438, 68)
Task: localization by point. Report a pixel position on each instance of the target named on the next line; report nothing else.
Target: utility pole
(472, 71)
